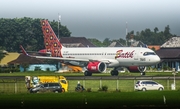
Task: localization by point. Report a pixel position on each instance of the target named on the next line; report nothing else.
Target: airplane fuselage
(114, 56)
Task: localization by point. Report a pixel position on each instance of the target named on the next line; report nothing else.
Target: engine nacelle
(96, 66)
(137, 69)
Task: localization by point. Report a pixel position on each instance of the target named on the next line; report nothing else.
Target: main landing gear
(114, 72)
(143, 73)
(87, 73)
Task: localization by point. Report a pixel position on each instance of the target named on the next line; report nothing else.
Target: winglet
(24, 52)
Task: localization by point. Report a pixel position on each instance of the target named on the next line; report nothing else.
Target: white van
(148, 85)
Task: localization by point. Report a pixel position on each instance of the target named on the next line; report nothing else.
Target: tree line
(27, 32)
(147, 36)
(151, 37)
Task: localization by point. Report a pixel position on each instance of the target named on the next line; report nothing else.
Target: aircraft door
(136, 58)
(104, 54)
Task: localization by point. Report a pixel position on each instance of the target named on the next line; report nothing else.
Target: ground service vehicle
(148, 85)
(47, 87)
(34, 81)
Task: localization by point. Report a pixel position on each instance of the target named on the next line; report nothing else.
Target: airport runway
(105, 77)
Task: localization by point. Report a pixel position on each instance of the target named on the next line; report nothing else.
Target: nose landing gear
(142, 70)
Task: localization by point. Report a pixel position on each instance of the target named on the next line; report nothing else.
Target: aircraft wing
(59, 58)
(71, 59)
(65, 59)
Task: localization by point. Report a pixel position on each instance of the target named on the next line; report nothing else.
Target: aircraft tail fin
(51, 42)
(23, 50)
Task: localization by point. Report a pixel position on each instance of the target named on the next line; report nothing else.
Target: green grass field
(13, 94)
(76, 100)
(12, 86)
(9, 86)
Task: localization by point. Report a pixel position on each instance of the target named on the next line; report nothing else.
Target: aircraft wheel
(90, 74)
(87, 73)
(143, 73)
(114, 73)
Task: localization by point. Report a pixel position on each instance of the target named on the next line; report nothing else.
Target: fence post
(15, 86)
(117, 85)
(84, 85)
(134, 84)
(168, 84)
(100, 84)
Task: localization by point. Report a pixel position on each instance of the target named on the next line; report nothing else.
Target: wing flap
(59, 58)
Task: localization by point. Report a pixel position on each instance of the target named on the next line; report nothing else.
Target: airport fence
(8, 85)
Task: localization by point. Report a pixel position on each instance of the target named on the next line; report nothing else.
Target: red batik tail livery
(51, 42)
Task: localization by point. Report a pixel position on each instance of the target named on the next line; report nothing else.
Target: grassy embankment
(91, 99)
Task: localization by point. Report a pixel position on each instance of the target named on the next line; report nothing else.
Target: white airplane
(97, 59)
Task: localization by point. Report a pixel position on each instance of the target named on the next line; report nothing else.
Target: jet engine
(140, 69)
(96, 66)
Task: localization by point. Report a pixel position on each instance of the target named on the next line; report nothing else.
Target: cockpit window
(149, 53)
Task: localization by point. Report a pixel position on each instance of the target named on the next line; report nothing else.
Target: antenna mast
(126, 34)
(59, 19)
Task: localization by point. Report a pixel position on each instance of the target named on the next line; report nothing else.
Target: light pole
(126, 34)
(59, 20)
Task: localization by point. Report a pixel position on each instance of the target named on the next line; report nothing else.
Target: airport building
(76, 42)
(169, 53)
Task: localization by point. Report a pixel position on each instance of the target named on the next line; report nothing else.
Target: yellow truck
(33, 81)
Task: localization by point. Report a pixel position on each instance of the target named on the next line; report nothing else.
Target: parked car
(47, 87)
(148, 85)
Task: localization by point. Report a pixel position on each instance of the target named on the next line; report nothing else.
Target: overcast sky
(99, 18)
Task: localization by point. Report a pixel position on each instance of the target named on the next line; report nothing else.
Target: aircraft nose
(157, 59)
